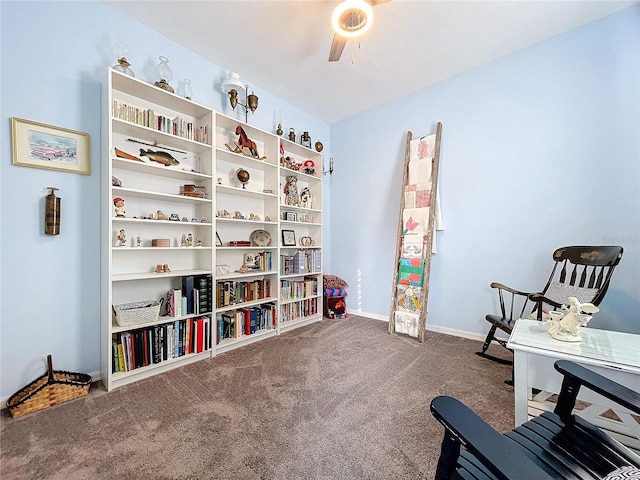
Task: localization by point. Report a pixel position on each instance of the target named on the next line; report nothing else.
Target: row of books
(298, 310)
(245, 321)
(259, 261)
(303, 261)
(151, 345)
(232, 293)
(293, 289)
(195, 296)
(148, 118)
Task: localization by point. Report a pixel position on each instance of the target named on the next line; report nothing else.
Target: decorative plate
(261, 238)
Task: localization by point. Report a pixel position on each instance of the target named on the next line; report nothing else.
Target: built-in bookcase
(187, 233)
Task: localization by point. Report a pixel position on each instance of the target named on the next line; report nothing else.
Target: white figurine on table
(565, 326)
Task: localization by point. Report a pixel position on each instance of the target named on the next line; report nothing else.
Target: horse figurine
(244, 142)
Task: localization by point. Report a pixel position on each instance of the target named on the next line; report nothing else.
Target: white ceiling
(283, 46)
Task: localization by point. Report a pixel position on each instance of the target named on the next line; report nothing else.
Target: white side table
(615, 355)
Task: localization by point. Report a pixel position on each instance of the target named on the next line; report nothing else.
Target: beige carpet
(339, 399)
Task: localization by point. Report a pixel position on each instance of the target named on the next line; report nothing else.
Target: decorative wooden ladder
(415, 237)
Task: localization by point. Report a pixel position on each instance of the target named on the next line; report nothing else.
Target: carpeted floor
(338, 399)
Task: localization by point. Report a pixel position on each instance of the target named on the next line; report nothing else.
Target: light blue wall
(539, 149)
(54, 59)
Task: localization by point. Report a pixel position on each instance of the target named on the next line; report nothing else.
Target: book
(187, 291)
(177, 302)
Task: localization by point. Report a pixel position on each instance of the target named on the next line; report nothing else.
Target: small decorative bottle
(292, 135)
(279, 131)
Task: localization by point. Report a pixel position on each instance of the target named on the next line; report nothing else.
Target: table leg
(520, 386)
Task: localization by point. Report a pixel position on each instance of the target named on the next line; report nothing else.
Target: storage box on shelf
(157, 190)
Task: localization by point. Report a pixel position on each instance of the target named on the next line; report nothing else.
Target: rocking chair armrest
(576, 375)
(540, 298)
(499, 454)
(501, 286)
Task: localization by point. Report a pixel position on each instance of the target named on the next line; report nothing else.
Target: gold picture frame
(39, 145)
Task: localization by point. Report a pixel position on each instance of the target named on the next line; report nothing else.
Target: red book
(200, 335)
(132, 349)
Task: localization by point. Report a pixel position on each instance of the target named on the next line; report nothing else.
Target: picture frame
(39, 145)
(218, 241)
(288, 238)
(291, 216)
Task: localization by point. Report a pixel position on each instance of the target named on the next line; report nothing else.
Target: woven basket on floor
(53, 388)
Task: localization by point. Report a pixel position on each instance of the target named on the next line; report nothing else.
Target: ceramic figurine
(122, 238)
(305, 198)
(138, 242)
(292, 197)
(189, 240)
(183, 241)
(565, 326)
(198, 241)
(119, 206)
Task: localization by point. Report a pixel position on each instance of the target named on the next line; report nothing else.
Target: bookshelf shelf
(146, 122)
(229, 344)
(151, 169)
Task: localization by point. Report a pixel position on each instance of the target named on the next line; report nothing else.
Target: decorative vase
(279, 131)
(188, 93)
(121, 50)
(164, 75)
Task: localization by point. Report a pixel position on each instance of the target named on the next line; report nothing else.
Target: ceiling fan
(350, 19)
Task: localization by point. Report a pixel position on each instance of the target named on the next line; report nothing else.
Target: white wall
(54, 59)
(539, 149)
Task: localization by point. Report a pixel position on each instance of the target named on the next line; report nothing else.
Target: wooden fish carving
(163, 158)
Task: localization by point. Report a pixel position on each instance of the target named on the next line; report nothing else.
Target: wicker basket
(129, 314)
(53, 388)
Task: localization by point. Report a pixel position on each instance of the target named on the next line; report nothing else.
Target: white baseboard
(432, 328)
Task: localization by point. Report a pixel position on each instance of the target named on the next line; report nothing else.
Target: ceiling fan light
(352, 18)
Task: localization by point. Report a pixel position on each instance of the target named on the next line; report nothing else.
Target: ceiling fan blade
(337, 46)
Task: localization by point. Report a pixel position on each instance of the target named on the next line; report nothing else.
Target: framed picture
(218, 241)
(288, 238)
(54, 148)
(291, 216)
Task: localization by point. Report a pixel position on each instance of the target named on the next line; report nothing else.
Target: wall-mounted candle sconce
(52, 213)
(330, 171)
(234, 87)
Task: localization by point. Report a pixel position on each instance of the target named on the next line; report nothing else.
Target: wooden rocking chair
(554, 445)
(583, 272)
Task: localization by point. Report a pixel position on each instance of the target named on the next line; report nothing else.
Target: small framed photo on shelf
(218, 241)
(45, 146)
(288, 238)
(291, 216)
